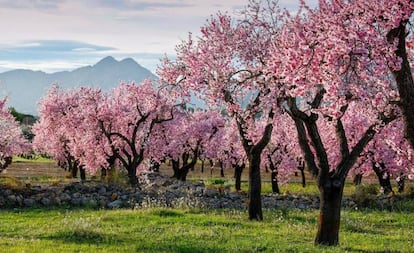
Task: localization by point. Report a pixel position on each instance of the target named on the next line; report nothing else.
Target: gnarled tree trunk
(255, 188)
(404, 80)
(383, 177)
(329, 212)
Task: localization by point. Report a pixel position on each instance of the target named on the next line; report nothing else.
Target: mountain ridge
(24, 87)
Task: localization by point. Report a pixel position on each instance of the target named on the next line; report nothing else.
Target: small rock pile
(155, 190)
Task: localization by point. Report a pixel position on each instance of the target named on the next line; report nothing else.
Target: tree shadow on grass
(372, 251)
(80, 236)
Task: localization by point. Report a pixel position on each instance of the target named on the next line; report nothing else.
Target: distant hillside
(25, 87)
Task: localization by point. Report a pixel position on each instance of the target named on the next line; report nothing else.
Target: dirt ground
(47, 169)
(33, 169)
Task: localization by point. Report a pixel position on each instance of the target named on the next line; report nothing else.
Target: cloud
(52, 47)
(33, 4)
(57, 55)
(140, 5)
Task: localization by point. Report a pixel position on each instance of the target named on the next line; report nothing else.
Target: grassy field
(167, 230)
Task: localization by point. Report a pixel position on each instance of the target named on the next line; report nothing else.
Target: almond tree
(51, 135)
(282, 154)
(12, 141)
(389, 155)
(332, 77)
(99, 128)
(186, 137)
(230, 151)
(225, 67)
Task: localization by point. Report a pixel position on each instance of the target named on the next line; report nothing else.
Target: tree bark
(273, 175)
(103, 173)
(275, 184)
(401, 182)
(72, 167)
(357, 179)
(221, 168)
(383, 177)
(132, 176)
(329, 212)
(255, 188)
(238, 170)
(404, 80)
(202, 165)
(82, 173)
(176, 168)
(302, 175)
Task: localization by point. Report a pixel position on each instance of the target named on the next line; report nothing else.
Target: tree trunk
(357, 179)
(383, 177)
(82, 173)
(176, 168)
(73, 168)
(221, 169)
(275, 184)
(404, 80)
(184, 172)
(103, 173)
(255, 188)
(202, 165)
(132, 175)
(401, 182)
(301, 168)
(238, 170)
(211, 166)
(302, 174)
(186, 168)
(329, 212)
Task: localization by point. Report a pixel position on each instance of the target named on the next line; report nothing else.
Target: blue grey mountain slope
(24, 88)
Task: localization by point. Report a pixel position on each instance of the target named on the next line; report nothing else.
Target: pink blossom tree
(52, 131)
(99, 128)
(225, 67)
(186, 137)
(389, 155)
(282, 154)
(332, 78)
(229, 150)
(12, 141)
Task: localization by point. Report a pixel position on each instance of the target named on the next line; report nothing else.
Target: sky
(55, 35)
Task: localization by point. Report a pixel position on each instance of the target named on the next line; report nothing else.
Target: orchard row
(330, 87)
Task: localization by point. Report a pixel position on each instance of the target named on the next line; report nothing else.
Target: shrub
(365, 195)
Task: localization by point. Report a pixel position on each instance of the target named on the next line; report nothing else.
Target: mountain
(24, 88)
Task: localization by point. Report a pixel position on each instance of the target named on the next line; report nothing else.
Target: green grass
(168, 230)
(289, 188)
(37, 159)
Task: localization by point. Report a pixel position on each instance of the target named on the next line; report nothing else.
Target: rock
(84, 201)
(11, 199)
(28, 202)
(115, 204)
(102, 190)
(211, 192)
(64, 197)
(76, 195)
(75, 201)
(45, 201)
